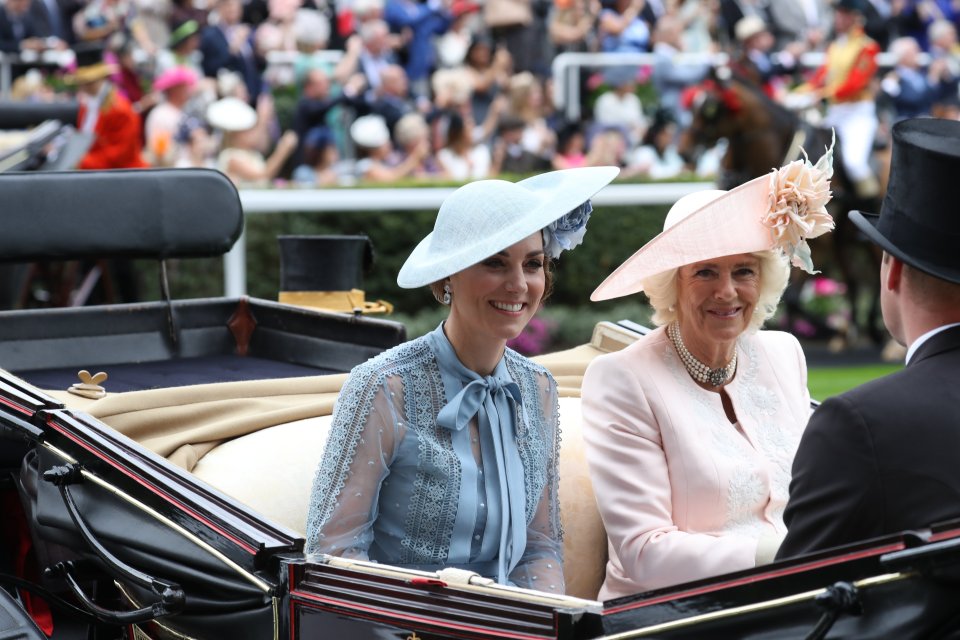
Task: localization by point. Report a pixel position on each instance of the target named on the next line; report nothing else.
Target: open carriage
(174, 507)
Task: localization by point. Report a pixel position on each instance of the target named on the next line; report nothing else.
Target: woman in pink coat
(691, 431)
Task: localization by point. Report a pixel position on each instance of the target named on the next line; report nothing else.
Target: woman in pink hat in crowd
(691, 430)
(443, 451)
(174, 137)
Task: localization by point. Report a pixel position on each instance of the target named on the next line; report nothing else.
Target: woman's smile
(512, 308)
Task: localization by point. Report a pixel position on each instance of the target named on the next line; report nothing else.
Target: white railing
(269, 201)
(30, 58)
(566, 69)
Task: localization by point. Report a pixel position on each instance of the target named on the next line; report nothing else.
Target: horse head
(715, 105)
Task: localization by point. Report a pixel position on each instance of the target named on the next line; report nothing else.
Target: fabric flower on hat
(566, 232)
(799, 193)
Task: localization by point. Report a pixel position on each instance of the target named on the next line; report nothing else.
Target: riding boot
(867, 188)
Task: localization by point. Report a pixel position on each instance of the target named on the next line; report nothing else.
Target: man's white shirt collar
(929, 334)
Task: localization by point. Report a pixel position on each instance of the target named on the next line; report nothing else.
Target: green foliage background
(613, 234)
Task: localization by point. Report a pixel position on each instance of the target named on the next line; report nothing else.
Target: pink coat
(683, 493)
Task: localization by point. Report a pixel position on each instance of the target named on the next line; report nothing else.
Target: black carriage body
(246, 577)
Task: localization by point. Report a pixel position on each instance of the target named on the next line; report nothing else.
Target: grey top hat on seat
(918, 221)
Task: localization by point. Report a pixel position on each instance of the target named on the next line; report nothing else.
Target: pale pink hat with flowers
(776, 211)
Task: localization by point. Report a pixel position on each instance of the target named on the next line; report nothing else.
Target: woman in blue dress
(443, 450)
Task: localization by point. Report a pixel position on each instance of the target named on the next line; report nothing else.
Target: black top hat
(324, 263)
(918, 222)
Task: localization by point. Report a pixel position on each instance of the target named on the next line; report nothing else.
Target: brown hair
(436, 288)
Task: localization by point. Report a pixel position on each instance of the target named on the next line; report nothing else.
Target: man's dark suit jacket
(881, 458)
(217, 55)
(9, 42)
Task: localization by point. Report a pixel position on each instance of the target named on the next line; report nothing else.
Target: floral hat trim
(799, 193)
(566, 232)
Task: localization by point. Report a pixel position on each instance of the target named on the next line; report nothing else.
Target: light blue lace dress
(430, 465)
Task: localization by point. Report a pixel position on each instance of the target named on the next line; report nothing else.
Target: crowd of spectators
(390, 90)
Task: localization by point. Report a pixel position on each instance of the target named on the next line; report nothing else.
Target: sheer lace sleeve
(541, 566)
(362, 444)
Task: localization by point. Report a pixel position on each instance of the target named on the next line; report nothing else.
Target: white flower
(799, 193)
(566, 232)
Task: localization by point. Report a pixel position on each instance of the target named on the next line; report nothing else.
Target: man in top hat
(115, 125)
(844, 81)
(882, 458)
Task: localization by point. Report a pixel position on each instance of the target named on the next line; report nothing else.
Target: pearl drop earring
(446, 295)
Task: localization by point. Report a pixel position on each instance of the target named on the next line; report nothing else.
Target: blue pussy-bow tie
(495, 404)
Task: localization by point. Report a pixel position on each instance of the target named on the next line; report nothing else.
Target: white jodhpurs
(856, 125)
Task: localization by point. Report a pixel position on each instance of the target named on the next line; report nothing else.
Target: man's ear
(894, 273)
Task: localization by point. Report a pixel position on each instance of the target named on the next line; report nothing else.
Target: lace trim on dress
(349, 418)
(436, 489)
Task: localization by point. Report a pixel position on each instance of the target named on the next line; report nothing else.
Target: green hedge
(614, 233)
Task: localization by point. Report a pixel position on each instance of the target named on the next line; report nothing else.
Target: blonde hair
(410, 128)
(661, 290)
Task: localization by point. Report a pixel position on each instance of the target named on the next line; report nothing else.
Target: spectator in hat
(175, 138)
(241, 156)
(183, 49)
(377, 161)
(104, 111)
(754, 62)
(881, 458)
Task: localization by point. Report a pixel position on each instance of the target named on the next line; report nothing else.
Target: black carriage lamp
(326, 272)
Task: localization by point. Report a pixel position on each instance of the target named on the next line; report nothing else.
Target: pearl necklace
(697, 370)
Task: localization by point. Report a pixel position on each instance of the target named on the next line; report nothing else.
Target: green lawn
(829, 381)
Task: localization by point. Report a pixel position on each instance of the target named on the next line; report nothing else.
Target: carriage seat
(272, 470)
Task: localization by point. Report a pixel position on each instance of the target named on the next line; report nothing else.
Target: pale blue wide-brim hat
(485, 217)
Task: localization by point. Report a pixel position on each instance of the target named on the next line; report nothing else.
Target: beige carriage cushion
(270, 470)
(585, 539)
